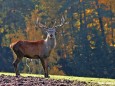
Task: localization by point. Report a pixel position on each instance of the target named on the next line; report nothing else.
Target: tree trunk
(104, 44)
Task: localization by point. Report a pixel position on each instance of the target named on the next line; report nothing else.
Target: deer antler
(40, 24)
(62, 22)
(42, 27)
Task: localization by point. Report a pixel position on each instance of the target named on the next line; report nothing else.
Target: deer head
(51, 30)
(51, 33)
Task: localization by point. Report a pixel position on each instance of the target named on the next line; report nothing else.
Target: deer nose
(51, 35)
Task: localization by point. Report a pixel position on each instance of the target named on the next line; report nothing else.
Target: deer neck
(50, 43)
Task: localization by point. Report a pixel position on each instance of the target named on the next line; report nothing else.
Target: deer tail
(11, 46)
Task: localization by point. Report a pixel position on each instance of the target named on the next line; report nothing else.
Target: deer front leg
(15, 64)
(45, 67)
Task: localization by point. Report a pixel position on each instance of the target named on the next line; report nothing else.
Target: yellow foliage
(92, 42)
(89, 37)
(89, 11)
(13, 37)
(1, 30)
(55, 71)
(89, 25)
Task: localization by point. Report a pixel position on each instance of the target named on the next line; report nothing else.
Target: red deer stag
(36, 49)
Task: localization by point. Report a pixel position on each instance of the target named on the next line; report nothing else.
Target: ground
(7, 80)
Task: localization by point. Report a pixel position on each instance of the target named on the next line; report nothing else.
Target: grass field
(101, 81)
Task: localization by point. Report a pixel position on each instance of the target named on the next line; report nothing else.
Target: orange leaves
(34, 15)
(81, 0)
(89, 11)
(16, 36)
(109, 39)
(33, 33)
(103, 1)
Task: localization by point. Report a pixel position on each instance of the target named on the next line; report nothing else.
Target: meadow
(54, 80)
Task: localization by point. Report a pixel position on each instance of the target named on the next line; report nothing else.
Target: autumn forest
(85, 43)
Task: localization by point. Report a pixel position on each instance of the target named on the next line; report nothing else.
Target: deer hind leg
(16, 62)
(45, 67)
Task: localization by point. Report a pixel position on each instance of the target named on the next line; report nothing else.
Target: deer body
(34, 50)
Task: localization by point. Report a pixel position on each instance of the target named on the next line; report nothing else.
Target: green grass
(110, 82)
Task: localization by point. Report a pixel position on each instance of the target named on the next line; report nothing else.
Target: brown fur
(29, 49)
(34, 49)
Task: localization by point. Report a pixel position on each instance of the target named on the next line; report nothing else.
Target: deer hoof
(17, 75)
(47, 76)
